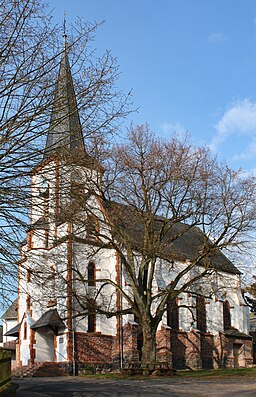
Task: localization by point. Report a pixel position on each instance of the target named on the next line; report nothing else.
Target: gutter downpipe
(121, 318)
(73, 320)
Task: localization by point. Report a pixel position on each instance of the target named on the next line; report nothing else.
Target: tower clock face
(43, 186)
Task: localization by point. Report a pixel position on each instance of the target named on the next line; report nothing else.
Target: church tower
(60, 240)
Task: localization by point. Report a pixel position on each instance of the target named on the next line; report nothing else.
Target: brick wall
(130, 351)
(178, 349)
(163, 345)
(182, 350)
(93, 348)
(207, 350)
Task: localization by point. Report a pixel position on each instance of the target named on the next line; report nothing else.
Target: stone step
(39, 370)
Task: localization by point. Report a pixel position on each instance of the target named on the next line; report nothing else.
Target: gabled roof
(65, 131)
(49, 319)
(12, 311)
(181, 242)
(13, 331)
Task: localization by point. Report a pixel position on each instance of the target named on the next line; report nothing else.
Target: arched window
(173, 314)
(200, 314)
(226, 315)
(25, 331)
(91, 316)
(91, 275)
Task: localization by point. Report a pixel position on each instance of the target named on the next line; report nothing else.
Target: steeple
(65, 131)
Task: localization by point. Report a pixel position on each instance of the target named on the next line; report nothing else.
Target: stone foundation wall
(207, 351)
(186, 350)
(93, 348)
(183, 350)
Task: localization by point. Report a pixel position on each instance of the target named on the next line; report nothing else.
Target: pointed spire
(65, 131)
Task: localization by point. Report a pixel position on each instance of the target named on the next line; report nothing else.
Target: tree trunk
(149, 342)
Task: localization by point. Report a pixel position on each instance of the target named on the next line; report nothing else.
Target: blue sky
(190, 63)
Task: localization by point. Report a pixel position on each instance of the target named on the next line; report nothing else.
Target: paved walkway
(173, 387)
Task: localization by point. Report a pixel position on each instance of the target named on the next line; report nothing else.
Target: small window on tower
(92, 227)
(29, 273)
(44, 188)
(77, 190)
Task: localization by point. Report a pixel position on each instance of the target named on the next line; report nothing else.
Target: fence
(5, 369)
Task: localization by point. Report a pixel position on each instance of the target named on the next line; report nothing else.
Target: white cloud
(248, 173)
(218, 37)
(170, 128)
(239, 119)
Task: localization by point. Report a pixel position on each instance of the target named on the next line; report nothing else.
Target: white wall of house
(24, 345)
(7, 325)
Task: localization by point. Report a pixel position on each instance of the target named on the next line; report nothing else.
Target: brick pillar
(193, 356)
(130, 332)
(207, 350)
(163, 345)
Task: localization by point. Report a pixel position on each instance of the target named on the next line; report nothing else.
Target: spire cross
(64, 31)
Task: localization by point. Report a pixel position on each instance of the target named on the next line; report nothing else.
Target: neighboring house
(1, 336)
(214, 335)
(253, 334)
(11, 329)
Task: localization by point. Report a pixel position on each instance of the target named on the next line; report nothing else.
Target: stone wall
(183, 350)
(163, 345)
(207, 350)
(93, 348)
(130, 335)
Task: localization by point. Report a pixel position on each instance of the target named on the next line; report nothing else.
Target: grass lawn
(200, 374)
(223, 373)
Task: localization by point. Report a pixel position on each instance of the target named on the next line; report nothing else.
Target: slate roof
(50, 319)
(13, 331)
(12, 311)
(65, 129)
(181, 242)
(234, 333)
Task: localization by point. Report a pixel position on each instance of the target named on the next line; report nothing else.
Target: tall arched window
(25, 331)
(91, 316)
(200, 314)
(226, 315)
(173, 314)
(91, 275)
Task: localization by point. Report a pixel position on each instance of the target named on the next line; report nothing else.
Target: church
(214, 334)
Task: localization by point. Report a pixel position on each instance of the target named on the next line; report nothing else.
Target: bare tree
(31, 48)
(250, 296)
(168, 210)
